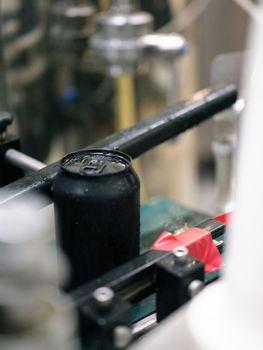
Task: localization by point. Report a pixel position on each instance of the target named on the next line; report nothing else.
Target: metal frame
(134, 280)
(137, 139)
(155, 274)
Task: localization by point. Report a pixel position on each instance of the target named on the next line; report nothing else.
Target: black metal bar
(216, 228)
(129, 281)
(171, 122)
(139, 138)
(157, 272)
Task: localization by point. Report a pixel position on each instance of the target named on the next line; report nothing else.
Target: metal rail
(137, 139)
(23, 161)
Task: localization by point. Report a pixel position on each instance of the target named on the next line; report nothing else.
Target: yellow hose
(126, 115)
(125, 102)
(104, 5)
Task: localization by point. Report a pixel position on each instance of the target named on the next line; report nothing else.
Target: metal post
(23, 161)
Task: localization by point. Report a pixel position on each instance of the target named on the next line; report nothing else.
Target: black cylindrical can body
(97, 210)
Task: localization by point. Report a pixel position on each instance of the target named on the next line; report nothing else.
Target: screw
(181, 254)
(122, 336)
(195, 287)
(104, 297)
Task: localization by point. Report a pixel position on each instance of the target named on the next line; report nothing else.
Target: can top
(96, 162)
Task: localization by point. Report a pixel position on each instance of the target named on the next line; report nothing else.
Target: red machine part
(199, 243)
(224, 218)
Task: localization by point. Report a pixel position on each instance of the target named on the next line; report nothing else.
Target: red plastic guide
(199, 242)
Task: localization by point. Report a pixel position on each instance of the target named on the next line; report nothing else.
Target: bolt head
(122, 336)
(103, 296)
(195, 287)
(181, 254)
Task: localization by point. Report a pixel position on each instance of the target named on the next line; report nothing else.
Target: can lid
(96, 162)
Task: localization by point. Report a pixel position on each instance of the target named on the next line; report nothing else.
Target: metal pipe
(137, 139)
(23, 161)
(125, 102)
(126, 115)
(143, 326)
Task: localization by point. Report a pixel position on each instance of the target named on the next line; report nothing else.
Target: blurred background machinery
(78, 70)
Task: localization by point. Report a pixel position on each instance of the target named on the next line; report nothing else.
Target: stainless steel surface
(123, 6)
(71, 27)
(124, 38)
(116, 39)
(23, 161)
(224, 147)
(164, 45)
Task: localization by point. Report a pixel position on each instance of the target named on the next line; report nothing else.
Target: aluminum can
(97, 212)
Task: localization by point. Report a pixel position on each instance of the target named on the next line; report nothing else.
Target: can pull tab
(93, 166)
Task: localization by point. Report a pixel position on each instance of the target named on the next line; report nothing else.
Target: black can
(97, 210)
